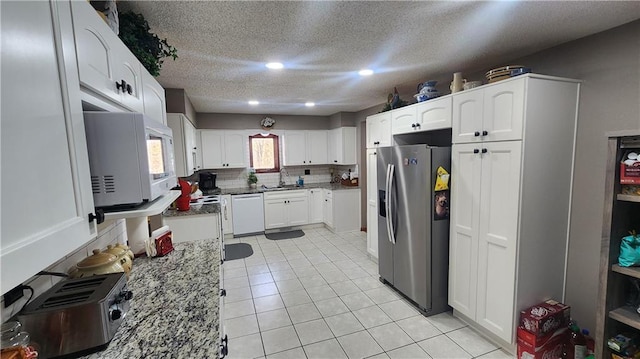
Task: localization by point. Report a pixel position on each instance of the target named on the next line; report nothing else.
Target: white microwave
(131, 158)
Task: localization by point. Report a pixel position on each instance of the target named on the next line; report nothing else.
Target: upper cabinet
(224, 149)
(154, 99)
(489, 113)
(379, 130)
(430, 115)
(342, 146)
(184, 144)
(305, 147)
(47, 138)
(109, 73)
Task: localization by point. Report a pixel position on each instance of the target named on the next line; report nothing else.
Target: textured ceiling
(223, 46)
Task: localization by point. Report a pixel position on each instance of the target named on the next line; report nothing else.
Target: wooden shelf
(628, 198)
(148, 209)
(626, 315)
(630, 271)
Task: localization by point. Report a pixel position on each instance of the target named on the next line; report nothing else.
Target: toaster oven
(77, 316)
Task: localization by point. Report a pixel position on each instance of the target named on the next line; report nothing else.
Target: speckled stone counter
(174, 310)
(205, 209)
(246, 190)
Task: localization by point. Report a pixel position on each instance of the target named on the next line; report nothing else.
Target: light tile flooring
(318, 296)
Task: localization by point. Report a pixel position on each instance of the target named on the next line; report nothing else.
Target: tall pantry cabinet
(511, 180)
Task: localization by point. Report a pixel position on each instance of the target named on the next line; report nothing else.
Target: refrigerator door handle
(389, 218)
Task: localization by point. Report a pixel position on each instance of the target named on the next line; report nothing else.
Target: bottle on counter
(591, 343)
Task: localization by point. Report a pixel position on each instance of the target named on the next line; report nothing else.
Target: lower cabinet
(226, 213)
(327, 209)
(372, 203)
(194, 227)
(342, 209)
(285, 209)
(316, 204)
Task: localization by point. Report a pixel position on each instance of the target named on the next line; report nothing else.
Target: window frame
(276, 153)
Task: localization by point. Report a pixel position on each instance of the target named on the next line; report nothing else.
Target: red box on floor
(544, 318)
(550, 346)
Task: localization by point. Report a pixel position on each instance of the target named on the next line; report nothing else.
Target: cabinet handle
(417, 125)
(476, 133)
(98, 216)
(413, 125)
(129, 89)
(309, 161)
(223, 292)
(485, 132)
(376, 143)
(475, 150)
(304, 161)
(122, 85)
(336, 161)
(484, 150)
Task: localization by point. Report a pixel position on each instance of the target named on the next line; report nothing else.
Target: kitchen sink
(278, 188)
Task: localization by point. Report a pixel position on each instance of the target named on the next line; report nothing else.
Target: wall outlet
(307, 172)
(13, 295)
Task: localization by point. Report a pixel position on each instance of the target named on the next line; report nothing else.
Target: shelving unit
(621, 214)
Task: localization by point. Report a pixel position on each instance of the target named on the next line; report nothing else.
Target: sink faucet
(283, 172)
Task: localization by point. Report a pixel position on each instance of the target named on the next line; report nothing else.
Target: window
(263, 153)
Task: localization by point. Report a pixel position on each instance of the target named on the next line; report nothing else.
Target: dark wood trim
(276, 153)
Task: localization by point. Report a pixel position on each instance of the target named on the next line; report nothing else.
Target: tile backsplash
(109, 232)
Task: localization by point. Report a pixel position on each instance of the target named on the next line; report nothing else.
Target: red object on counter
(164, 244)
(550, 346)
(182, 203)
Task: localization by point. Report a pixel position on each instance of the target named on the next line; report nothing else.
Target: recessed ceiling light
(310, 104)
(274, 65)
(254, 103)
(365, 72)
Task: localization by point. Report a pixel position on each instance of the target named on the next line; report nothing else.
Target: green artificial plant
(145, 45)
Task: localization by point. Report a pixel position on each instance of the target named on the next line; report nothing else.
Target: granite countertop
(205, 209)
(174, 310)
(247, 190)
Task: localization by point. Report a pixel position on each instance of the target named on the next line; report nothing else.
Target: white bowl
(196, 205)
(471, 84)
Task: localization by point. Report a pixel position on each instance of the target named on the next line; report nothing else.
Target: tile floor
(319, 296)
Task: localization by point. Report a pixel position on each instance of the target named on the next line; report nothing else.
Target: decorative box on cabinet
(305, 147)
(613, 316)
(342, 146)
(223, 149)
(502, 229)
(434, 114)
(379, 130)
(107, 68)
(54, 132)
(184, 144)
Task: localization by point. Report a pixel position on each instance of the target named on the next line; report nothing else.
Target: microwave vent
(103, 184)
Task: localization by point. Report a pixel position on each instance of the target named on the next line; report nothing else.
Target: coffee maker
(207, 181)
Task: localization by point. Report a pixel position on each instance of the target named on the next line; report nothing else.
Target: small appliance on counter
(207, 181)
(77, 316)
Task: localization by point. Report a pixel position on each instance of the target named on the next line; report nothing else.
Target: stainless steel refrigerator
(413, 224)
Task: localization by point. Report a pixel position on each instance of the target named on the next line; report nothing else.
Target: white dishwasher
(248, 213)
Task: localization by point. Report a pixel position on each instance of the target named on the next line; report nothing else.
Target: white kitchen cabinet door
(498, 236)
(434, 114)
(342, 146)
(274, 213)
(334, 143)
(468, 107)
(297, 211)
(372, 203)
(194, 227)
(379, 130)
(317, 147)
(327, 209)
(235, 148)
(403, 120)
(295, 148)
(154, 99)
(190, 145)
(184, 144)
(212, 143)
(43, 218)
(128, 69)
(316, 200)
(464, 225)
(226, 213)
(504, 111)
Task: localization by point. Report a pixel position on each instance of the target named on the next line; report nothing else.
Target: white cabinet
(285, 209)
(372, 203)
(184, 144)
(316, 200)
(45, 136)
(342, 209)
(429, 115)
(107, 68)
(342, 146)
(305, 147)
(224, 149)
(491, 113)
(194, 227)
(379, 130)
(507, 244)
(154, 99)
(226, 213)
